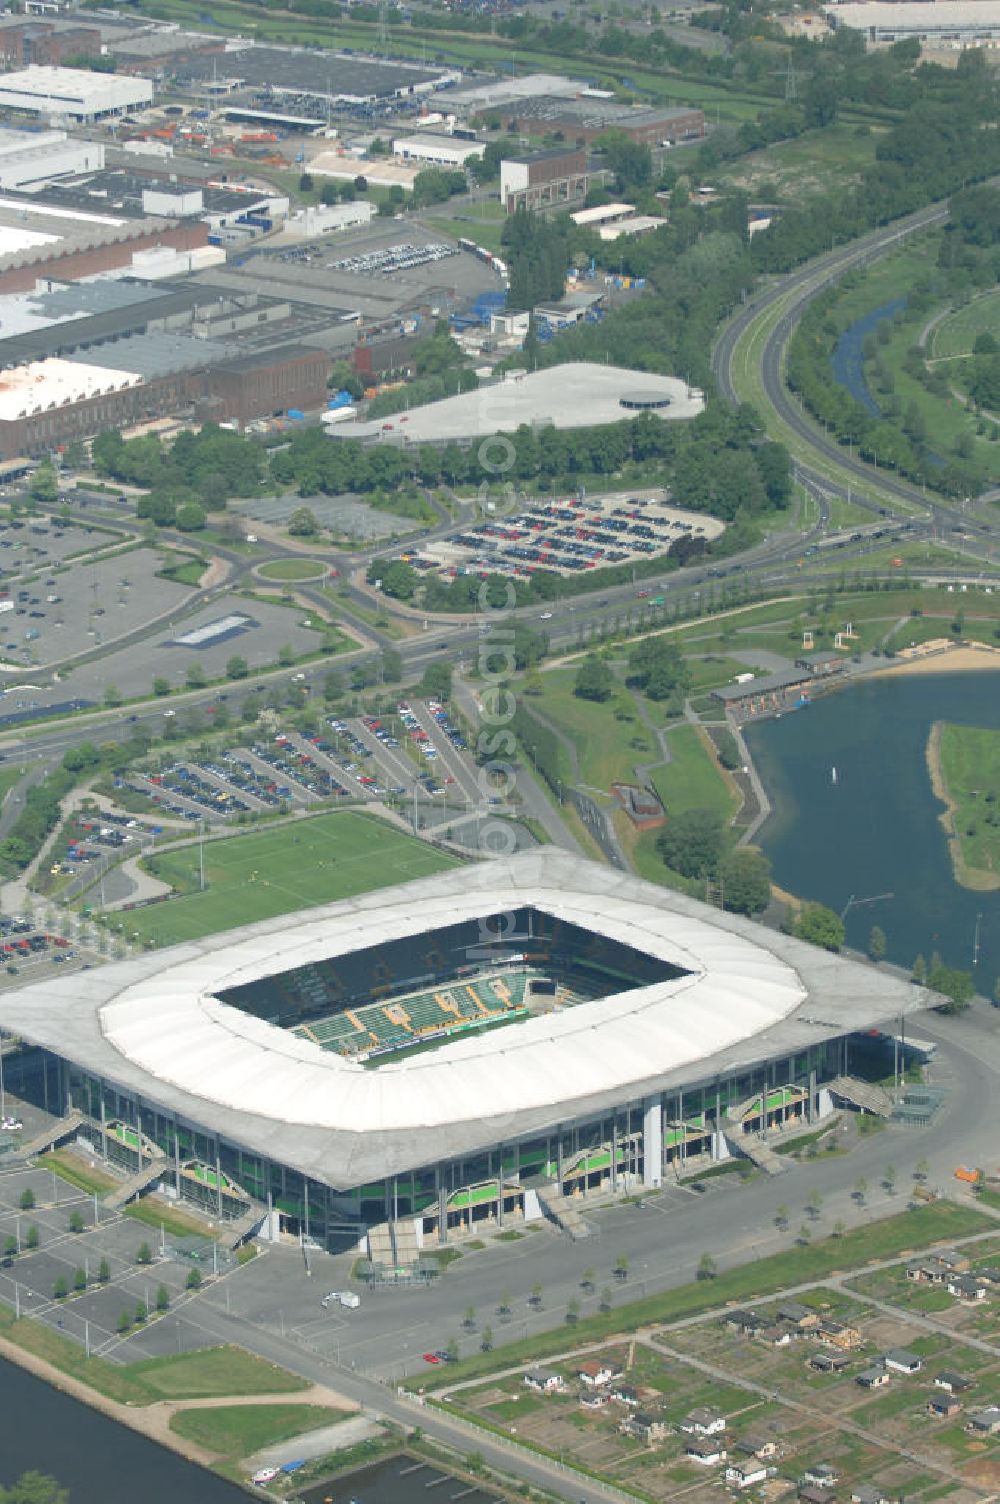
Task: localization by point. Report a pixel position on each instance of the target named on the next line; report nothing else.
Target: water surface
(875, 831)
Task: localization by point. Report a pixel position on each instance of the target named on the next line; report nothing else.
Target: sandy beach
(941, 657)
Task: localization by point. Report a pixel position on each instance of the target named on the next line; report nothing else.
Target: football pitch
(271, 872)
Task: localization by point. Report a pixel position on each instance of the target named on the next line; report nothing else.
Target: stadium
(488, 1045)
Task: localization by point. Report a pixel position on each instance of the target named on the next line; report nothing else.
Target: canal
(868, 842)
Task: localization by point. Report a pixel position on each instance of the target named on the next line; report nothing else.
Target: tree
(435, 683)
(75, 1222)
(195, 676)
(921, 1170)
(572, 1311)
(621, 1266)
(190, 517)
(112, 696)
(503, 1306)
(193, 1281)
(693, 842)
(103, 1271)
(839, 1228)
(587, 1280)
(707, 1267)
(32, 1239)
(34, 1488)
(75, 457)
(306, 183)
(781, 1218)
(876, 944)
(469, 1319)
(10, 1249)
(889, 1178)
(162, 1298)
(141, 1312)
(860, 1190)
(144, 1255)
(813, 1204)
(26, 1200)
(60, 1289)
(161, 686)
(820, 926)
(594, 680)
(918, 971)
(44, 486)
(236, 667)
(392, 666)
(302, 523)
(286, 656)
(451, 1348)
(957, 986)
(486, 1341)
(605, 1300)
(530, 645)
(657, 667)
(79, 1279)
(536, 1295)
(745, 875)
(805, 1235)
(124, 1322)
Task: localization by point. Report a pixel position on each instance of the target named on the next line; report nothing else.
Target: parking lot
(388, 260)
(132, 596)
(569, 536)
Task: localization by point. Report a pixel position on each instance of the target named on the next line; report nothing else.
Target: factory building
(437, 151)
(946, 24)
(542, 179)
(30, 162)
(73, 93)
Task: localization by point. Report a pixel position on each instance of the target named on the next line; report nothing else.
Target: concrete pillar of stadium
(652, 1141)
(813, 1104)
(442, 1201)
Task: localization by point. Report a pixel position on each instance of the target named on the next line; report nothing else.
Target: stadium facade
(478, 1045)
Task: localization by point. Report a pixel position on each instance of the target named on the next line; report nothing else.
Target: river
(98, 1460)
(874, 832)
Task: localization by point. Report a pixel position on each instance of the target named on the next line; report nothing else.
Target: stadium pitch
(276, 871)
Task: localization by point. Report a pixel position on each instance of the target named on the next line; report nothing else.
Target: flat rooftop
(52, 383)
(565, 396)
(325, 75)
(501, 91)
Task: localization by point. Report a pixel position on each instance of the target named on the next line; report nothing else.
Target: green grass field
(969, 759)
(276, 871)
(241, 1430)
(293, 569)
(213, 1372)
(692, 779)
(828, 158)
(602, 733)
(955, 334)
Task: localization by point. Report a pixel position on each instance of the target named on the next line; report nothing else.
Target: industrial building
(30, 162)
(49, 403)
(74, 94)
(437, 151)
(314, 78)
(936, 23)
(542, 179)
(486, 1046)
(49, 43)
(583, 118)
(568, 396)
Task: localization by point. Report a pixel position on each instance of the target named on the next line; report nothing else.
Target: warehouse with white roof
(484, 1044)
(936, 23)
(75, 94)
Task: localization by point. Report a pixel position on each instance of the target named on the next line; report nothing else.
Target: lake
(875, 830)
(98, 1460)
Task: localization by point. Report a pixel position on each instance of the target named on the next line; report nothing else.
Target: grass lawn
(276, 871)
(969, 761)
(293, 569)
(157, 1214)
(213, 1372)
(693, 779)
(71, 1168)
(9, 777)
(608, 736)
(956, 333)
(241, 1430)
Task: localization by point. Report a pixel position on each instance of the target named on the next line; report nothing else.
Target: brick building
(241, 388)
(540, 179)
(583, 120)
(20, 271)
(47, 43)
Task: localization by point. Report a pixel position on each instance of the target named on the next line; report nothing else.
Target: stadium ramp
(238, 1231)
(863, 1094)
(131, 1187)
(560, 1210)
(52, 1135)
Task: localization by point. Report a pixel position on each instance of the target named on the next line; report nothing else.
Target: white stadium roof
(155, 1025)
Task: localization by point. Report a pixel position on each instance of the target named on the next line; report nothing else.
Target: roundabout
(292, 571)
